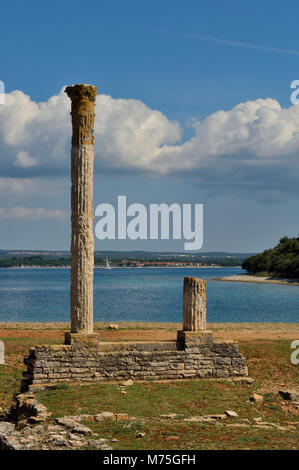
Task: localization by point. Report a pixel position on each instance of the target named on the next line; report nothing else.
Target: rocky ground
(49, 436)
(29, 425)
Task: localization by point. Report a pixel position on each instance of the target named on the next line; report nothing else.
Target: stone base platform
(87, 359)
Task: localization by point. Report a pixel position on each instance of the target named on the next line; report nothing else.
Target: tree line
(280, 261)
(44, 261)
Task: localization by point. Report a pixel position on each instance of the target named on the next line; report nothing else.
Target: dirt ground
(154, 331)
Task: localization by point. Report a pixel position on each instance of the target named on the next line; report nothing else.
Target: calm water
(142, 295)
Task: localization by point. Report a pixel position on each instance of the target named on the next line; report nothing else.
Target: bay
(143, 294)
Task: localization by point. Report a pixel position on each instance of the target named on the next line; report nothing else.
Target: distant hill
(280, 261)
(14, 258)
(128, 254)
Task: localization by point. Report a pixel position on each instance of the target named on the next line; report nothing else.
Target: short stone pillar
(83, 99)
(194, 330)
(195, 309)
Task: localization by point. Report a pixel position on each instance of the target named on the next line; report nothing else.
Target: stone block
(121, 417)
(81, 340)
(225, 348)
(104, 416)
(223, 361)
(193, 339)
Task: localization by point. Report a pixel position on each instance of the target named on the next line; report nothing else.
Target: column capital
(83, 98)
(82, 92)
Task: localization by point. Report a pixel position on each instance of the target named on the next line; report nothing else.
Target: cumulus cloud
(254, 144)
(252, 133)
(127, 133)
(30, 214)
(24, 160)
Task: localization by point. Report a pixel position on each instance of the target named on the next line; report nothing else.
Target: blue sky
(187, 60)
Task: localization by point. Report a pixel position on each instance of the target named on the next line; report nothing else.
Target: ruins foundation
(84, 357)
(193, 355)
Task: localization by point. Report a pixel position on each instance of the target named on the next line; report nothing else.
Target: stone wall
(87, 359)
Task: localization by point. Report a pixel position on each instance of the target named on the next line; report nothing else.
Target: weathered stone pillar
(195, 310)
(83, 99)
(194, 333)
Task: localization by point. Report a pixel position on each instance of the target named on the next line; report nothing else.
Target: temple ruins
(84, 357)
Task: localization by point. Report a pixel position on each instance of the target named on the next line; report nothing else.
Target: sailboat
(107, 264)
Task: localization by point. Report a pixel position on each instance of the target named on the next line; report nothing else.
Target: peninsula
(278, 265)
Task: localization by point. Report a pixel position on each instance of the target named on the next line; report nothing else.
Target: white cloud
(30, 186)
(255, 143)
(252, 133)
(127, 132)
(24, 160)
(30, 213)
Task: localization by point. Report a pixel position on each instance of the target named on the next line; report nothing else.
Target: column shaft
(194, 313)
(82, 243)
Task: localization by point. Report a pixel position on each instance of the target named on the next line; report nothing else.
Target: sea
(142, 294)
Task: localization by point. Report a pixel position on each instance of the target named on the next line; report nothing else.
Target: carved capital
(83, 99)
(78, 93)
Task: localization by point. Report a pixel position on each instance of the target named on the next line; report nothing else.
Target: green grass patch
(151, 400)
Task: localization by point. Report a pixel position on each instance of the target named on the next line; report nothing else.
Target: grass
(268, 362)
(150, 399)
(16, 348)
(191, 436)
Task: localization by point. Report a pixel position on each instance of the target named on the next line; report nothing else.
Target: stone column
(194, 333)
(195, 311)
(83, 99)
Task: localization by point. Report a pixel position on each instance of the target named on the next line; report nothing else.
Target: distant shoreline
(123, 267)
(257, 279)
